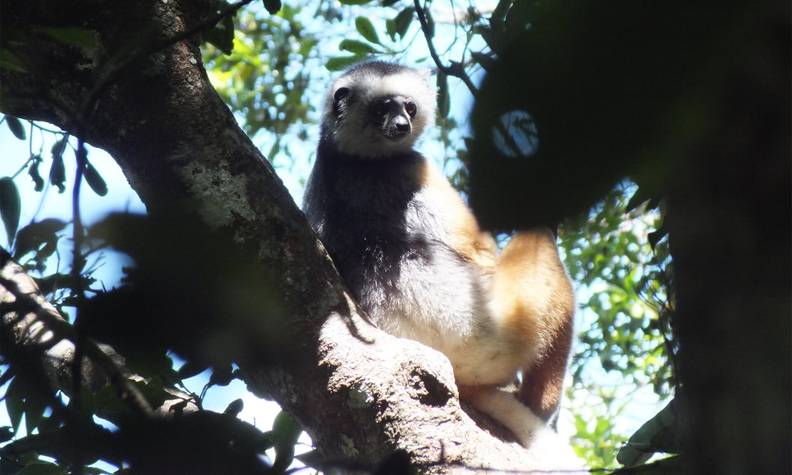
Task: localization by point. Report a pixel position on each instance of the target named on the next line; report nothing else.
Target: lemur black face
(393, 116)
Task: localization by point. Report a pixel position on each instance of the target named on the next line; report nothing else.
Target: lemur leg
(504, 407)
(533, 299)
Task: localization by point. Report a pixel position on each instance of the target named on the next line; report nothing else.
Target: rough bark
(361, 394)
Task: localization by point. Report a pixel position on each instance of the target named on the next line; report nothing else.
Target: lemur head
(377, 109)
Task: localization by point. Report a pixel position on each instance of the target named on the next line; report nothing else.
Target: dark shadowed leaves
(285, 431)
(16, 127)
(272, 6)
(39, 236)
(57, 175)
(662, 433)
(191, 290)
(35, 175)
(222, 34)
(609, 99)
(95, 180)
(201, 442)
(10, 207)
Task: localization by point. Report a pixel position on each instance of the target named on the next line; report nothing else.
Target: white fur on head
(352, 131)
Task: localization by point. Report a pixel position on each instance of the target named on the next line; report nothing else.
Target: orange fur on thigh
(535, 301)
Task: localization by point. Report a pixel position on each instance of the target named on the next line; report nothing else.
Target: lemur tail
(537, 302)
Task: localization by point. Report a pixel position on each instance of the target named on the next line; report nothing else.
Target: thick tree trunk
(729, 229)
(360, 393)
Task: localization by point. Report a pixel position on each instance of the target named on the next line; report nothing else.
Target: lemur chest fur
(390, 244)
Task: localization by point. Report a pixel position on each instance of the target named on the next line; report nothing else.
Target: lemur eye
(340, 93)
(411, 108)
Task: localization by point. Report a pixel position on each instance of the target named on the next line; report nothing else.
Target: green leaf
(10, 207)
(82, 38)
(357, 47)
(272, 6)
(390, 28)
(9, 61)
(340, 62)
(16, 127)
(387, 3)
(354, 2)
(42, 468)
(403, 20)
(95, 180)
(366, 29)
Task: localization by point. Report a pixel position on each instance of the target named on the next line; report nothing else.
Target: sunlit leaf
(340, 62)
(366, 29)
(403, 20)
(359, 48)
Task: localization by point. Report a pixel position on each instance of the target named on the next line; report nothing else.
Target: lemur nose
(403, 127)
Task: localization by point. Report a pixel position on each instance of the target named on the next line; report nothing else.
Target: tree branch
(455, 69)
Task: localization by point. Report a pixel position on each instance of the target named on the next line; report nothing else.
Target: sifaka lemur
(413, 256)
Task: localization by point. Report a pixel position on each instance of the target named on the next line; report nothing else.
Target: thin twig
(455, 69)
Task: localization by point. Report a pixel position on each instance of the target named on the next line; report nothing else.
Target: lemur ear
(340, 93)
